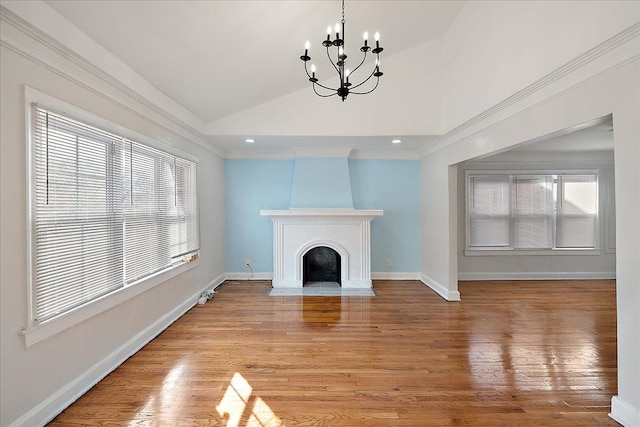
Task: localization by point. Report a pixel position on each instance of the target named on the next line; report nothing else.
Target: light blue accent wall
(321, 183)
(252, 185)
(394, 186)
(391, 185)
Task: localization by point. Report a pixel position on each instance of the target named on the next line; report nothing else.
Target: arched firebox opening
(321, 264)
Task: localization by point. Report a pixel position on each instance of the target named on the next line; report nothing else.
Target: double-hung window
(532, 210)
(106, 212)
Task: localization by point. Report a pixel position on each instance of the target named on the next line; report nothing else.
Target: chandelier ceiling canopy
(337, 55)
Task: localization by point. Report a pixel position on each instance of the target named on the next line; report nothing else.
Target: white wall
(522, 266)
(494, 48)
(516, 71)
(616, 92)
(41, 380)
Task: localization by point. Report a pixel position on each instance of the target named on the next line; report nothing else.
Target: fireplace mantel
(323, 212)
(347, 231)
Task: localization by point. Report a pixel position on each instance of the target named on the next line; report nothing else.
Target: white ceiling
(593, 138)
(594, 135)
(217, 58)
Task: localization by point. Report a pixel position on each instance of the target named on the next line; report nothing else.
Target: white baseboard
(216, 282)
(249, 276)
(440, 289)
(383, 275)
(624, 413)
(48, 409)
(536, 275)
(389, 275)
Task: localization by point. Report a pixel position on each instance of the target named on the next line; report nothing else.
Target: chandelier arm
(332, 63)
(361, 62)
(363, 82)
(364, 93)
(324, 87)
(321, 95)
(305, 69)
(316, 83)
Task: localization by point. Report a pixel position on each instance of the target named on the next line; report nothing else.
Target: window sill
(36, 334)
(532, 252)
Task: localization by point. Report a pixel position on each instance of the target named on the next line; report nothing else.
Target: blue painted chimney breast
(321, 183)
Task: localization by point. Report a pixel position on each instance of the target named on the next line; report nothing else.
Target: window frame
(37, 332)
(511, 250)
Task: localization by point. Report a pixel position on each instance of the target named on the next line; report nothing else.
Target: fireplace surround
(346, 231)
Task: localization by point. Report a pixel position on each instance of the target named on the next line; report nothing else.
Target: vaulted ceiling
(235, 67)
(219, 58)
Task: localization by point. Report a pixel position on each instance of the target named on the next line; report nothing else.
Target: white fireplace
(346, 231)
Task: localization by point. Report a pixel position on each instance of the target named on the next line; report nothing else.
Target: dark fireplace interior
(321, 264)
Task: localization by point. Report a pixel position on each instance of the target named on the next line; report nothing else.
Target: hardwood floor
(510, 354)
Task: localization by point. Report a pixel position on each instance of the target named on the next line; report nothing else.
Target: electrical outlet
(247, 263)
(388, 262)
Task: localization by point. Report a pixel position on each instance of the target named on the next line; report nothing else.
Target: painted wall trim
(624, 413)
(287, 154)
(439, 288)
(22, 41)
(249, 276)
(391, 275)
(374, 276)
(340, 152)
(537, 275)
(365, 154)
(57, 402)
(500, 111)
(261, 154)
(216, 282)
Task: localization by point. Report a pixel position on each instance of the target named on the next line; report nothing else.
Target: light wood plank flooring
(510, 354)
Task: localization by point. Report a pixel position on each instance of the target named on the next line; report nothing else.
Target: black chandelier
(346, 87)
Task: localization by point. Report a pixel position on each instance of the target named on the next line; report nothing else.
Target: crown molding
(260, 154)
(25, 39)
(341, 152)
(385, 155)
(616, 52)
(289, 154)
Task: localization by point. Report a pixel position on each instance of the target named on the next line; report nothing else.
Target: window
(532, 211)
(105, 212)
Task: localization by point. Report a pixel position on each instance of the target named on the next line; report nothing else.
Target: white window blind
(532, 211)
(90, 234)
(489, 210)
(577, 211)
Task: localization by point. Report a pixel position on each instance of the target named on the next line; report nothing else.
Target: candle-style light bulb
(329, 32)
(340, 51)
(313, 71)
(337, 31)
(346, 74)
(377, 37)
(307, 45)
(366, 38)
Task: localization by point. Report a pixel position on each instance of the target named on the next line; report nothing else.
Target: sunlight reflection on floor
(235, 401)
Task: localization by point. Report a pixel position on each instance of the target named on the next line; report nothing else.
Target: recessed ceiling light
(396, 141)
(250, 140)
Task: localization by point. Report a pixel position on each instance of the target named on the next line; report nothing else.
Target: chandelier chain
(343, 20)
